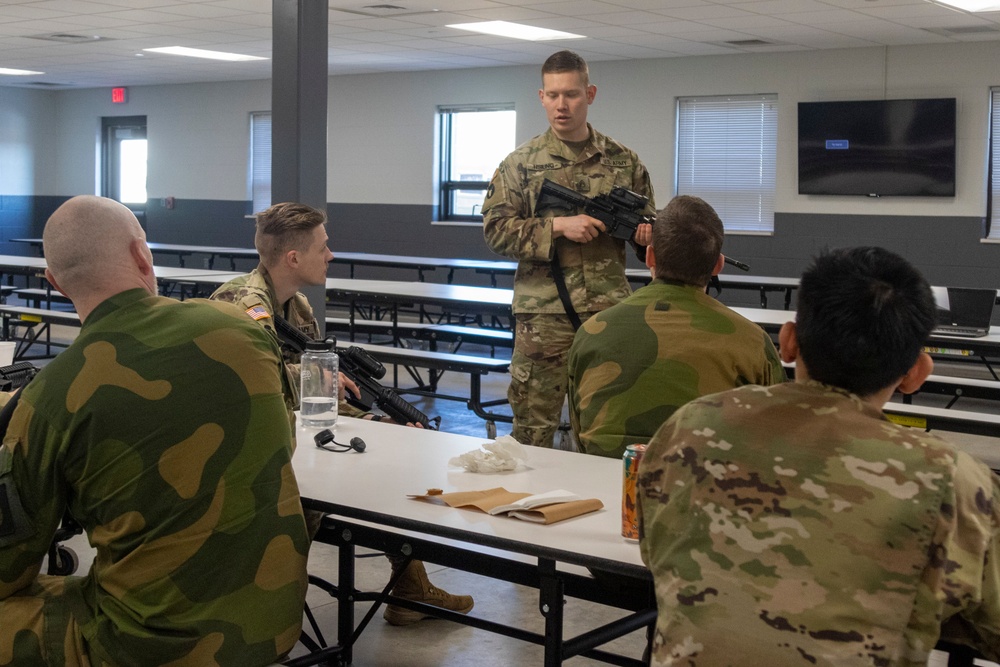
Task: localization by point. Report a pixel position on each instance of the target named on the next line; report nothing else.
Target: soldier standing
(592, 265)
(796, 525)
(162, 430)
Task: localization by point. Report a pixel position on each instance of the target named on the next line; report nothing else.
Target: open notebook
(967, 313)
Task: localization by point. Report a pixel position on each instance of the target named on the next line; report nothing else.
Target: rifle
(365, 370)
(16, 375)
(618, 210)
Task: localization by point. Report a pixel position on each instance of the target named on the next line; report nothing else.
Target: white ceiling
(410, 35)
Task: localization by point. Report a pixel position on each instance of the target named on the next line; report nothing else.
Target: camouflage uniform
(635, 363)
(594, 271)
(794, 524)
(254, 294)
(161, 429)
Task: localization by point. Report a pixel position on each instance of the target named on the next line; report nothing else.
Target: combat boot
(414, 585)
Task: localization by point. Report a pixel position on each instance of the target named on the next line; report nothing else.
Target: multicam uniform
(635, 363)
(795, 525)
(254, 294)
(161, 429)
(594, 271)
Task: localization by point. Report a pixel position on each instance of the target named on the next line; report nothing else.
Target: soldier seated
(795, 524)
(636, 362)
(162, 430)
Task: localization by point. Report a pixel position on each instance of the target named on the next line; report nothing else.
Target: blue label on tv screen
(837, 144)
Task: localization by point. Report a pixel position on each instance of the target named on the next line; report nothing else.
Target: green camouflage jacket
(162, 430)
(633, 364)
(595, 271)
(254, 294)
(795, 525)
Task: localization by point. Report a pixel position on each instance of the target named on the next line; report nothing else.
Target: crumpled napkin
(504, 453)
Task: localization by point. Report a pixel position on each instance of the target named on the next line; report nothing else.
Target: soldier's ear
(719, 263)
(52, 281)
(915, 377)
(650, 257)
(788, 343)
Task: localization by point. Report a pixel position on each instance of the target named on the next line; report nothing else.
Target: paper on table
(537, 500)
(490, 499)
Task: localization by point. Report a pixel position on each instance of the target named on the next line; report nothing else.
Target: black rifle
(365, 370)
(16, 375)
(618, 210)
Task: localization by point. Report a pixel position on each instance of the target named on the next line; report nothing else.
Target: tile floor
(433, 643)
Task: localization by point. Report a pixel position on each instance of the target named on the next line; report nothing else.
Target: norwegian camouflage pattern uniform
(594, 271)
(162, 430)
(633, 364)
(795, 525)
(254, 294)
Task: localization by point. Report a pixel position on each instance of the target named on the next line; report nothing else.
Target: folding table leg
(550, 603)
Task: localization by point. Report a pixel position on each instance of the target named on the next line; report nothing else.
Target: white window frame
(445, 185)
(993, 169)
(726, 154)
(259, 173)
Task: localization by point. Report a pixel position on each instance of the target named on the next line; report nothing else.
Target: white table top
(20, 262)
(195, 275)
(732, 279)
(400, 460)
(490, 297)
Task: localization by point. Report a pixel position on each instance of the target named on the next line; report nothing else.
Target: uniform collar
(116, 302)
(557, 148)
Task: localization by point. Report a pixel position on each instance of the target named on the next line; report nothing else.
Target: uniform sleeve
(32, 500)
(971, 582)
(774, 372)
(651, 497)
(508, 225)
(641, 184)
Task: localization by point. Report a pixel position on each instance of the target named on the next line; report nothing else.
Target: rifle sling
(560, 281)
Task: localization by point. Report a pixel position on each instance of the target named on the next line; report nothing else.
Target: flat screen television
(877, 148)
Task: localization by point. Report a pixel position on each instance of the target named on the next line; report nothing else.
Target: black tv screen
(877, 148)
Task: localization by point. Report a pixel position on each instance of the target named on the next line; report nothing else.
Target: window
(474, 140)
(260, 160)
(726, 149)
(993, 192)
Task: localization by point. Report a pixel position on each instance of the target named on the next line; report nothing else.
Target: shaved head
(90, 246)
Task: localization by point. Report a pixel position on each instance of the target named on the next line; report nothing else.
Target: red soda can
(630, 475)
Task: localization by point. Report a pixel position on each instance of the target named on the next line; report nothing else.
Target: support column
(299, 111)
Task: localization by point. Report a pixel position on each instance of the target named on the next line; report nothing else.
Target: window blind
(994, 174)
(726, 148)
(260, 160)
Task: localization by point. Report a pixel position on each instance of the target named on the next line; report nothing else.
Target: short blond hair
(283, 227)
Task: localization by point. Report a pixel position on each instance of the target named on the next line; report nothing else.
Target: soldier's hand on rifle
(345, 384)
(579, 228)
(643, 234)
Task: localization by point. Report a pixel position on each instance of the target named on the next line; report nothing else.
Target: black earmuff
(324, 439)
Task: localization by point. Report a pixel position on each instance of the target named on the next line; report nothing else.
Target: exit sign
(119, 95)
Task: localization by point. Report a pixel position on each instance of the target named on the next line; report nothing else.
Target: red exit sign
(119, 95)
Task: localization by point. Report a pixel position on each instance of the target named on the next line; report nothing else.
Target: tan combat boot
(414, 585)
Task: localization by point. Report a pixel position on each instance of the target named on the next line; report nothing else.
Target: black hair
(863, 316)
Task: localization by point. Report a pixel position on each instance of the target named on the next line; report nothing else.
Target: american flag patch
(257, 312)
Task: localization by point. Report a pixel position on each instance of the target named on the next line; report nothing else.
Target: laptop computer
(968, 313)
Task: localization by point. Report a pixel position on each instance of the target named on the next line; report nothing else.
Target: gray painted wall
(382, 150)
